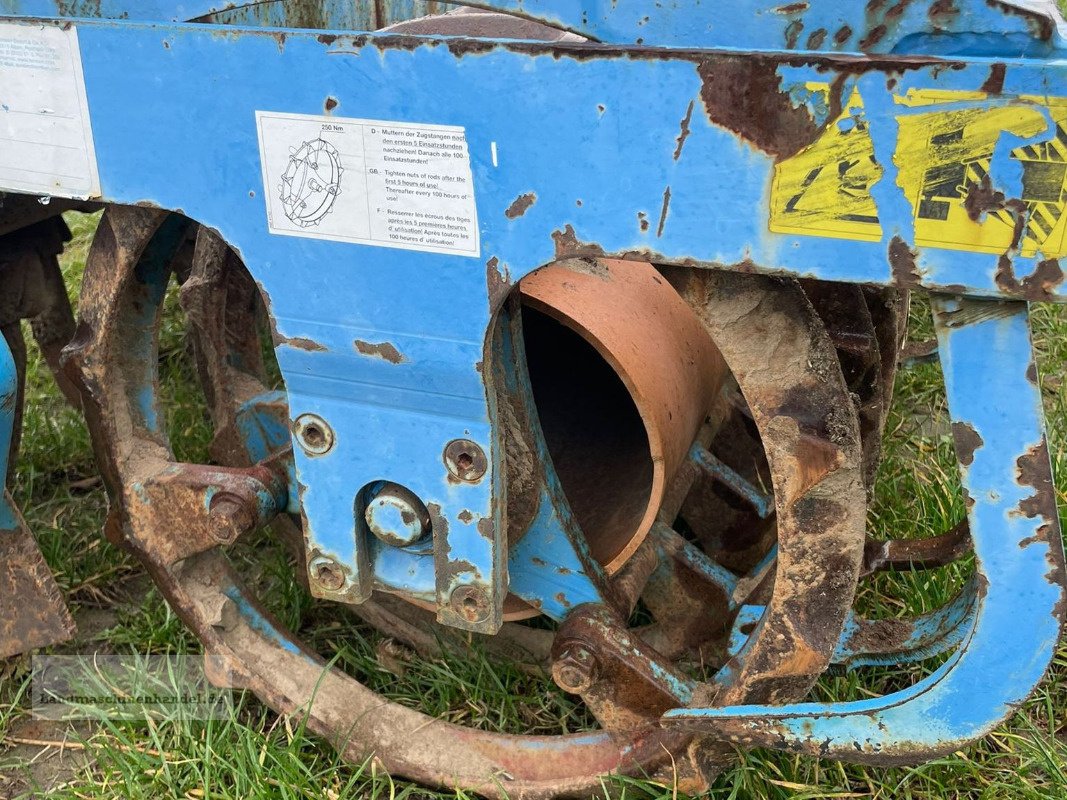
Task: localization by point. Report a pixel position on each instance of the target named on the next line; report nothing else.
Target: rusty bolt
(471, 603)
(397, 516)
(465, 460)
(576, 669)
(327, 573)
(314, 435)
(230, 517)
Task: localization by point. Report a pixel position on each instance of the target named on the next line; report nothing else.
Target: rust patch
(744, 96)
(497, 282)
(816, 39)
(897, 11)
(568, 244)
(792, 8)
(1039, 285)
(1035, 470)
(844, 33)
(873, 37)
(486, 528)
(386, 351)
(465, 516)
(32, 610)
(982, 197)
(438, 524)
(520, 205)
(902, 261)
(683, 133)
(664, 210)
(301, 343)
(330, 104)
(967, 441)
(941, 10)
(642, 221)
(994, 84)
(792, 34)
(1040, 26)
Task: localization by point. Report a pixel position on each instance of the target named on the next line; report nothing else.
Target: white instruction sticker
(391, 184)
(46, 141)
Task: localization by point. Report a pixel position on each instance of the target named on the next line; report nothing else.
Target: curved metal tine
(885, 642)
(929, 553)
(674, 548)
(915, 353)
(1000, 442)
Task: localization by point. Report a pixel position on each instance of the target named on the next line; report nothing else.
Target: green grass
(253, 753)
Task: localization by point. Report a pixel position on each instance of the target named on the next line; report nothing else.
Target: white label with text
(390, 184)
(46, 141)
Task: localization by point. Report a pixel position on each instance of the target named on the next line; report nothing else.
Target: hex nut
(327, 573)
(576, 669)
(230, 518)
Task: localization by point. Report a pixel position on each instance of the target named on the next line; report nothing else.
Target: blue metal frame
(606, 137)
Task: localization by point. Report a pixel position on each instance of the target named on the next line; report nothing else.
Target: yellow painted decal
(943, 160)
(825, 189)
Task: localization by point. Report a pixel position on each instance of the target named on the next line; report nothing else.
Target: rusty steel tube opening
(623, 375)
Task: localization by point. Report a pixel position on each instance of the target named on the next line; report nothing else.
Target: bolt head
(465, 460)
(230, 518)
(576, 669)
(313, 434)
(470, 603)
(396, 516)
(327, 573)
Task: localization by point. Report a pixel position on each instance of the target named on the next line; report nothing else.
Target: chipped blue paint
(693, 558)
(550, 567)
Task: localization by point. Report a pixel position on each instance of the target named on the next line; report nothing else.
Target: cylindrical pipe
(614, 462)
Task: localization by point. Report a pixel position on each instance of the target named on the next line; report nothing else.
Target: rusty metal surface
(32, 287)
(33, 612)
(642, 328)
(930, 553)
(624, 683)
(797, 394)
(1014, 525)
